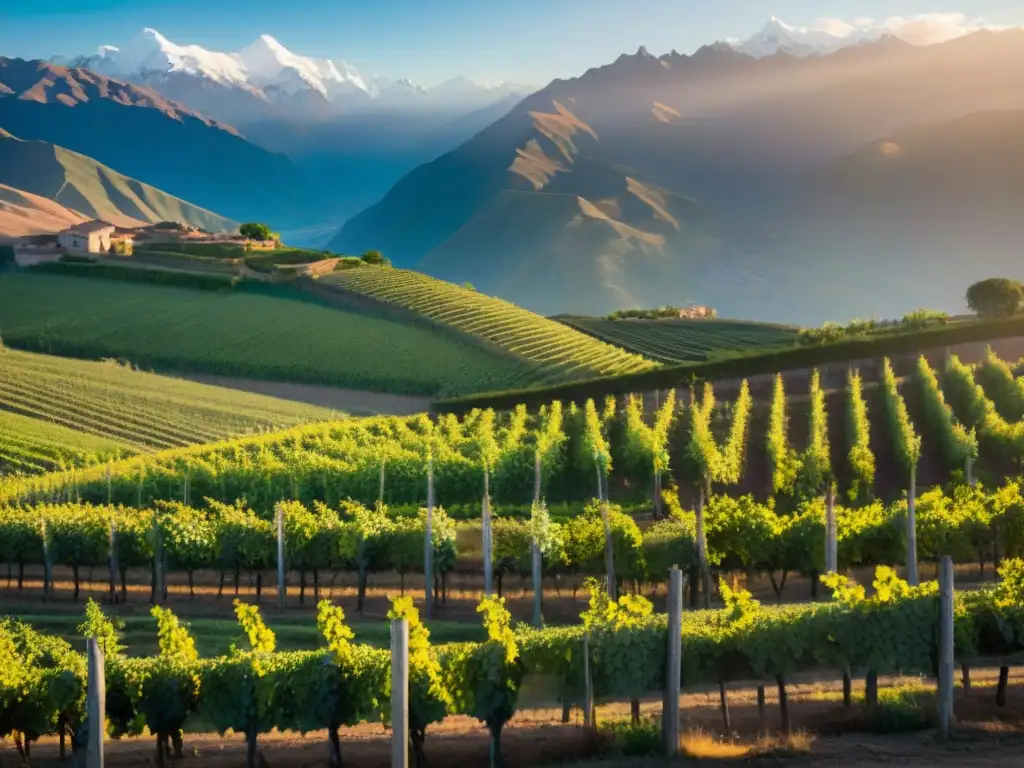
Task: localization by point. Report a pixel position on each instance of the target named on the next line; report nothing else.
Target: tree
(375, 258)
(256, 231)
(996, 297)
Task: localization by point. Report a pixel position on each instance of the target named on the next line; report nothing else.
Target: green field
(244, 333)
(140, 411)
(680, 341)
(30, 445)
(563, 352)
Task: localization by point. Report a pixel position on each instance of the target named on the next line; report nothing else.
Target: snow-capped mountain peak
(778, 37)
(270, 63)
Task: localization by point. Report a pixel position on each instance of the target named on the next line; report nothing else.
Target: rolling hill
(138, 411)
(558, 351)
(143, 135)
(251, 331)
(694, 164)
(84, 188)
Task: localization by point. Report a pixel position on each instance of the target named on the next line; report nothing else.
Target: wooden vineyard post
(783, 705)
(702, 552)
(47, 564)
(282, 583)
(674, 665)
(912, 529)
(158, 561)
(112, 536)
(588, 688)
(96, 706)
(945, 698)
(428, 544)
(609, 552)
(488, 544)
(538, 582)
(399, 693)
(831, 543)
(383, 463)
(760, 710)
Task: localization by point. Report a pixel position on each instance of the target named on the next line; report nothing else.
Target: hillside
(140, 411)
(679, 341)
(93, 190)
(22, 213)
(252, 331)
(143, 135)
(559, 352)
(694, 163)
(33, 446)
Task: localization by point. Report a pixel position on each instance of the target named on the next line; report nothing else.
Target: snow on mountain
(272, 73)
(267, 62)
(778, 37)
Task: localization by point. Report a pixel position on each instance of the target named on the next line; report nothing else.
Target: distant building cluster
(695, 311)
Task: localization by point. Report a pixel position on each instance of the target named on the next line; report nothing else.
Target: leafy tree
(255, 231)
(996, 297)
(375, 258)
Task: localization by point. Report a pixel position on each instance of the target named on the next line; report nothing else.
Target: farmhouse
(87, 237)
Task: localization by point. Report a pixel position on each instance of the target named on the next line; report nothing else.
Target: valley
(668, 412)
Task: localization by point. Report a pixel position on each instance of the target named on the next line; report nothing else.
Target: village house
(87, 237)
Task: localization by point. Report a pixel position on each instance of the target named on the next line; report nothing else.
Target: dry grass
(702, 745)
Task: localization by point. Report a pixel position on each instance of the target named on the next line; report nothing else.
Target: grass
(563, 353)
(679, 341)
(30, 445)
(243, 333)
(215, 636)
(134, 410)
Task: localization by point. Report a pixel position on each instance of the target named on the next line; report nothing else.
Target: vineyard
(562, 352)
(242, 333)
(679, 341)
(135, 411)
(871, 440)
(618, 651)
(319, 541)
(31, 446)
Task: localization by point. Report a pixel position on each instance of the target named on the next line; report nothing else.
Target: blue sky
(528, 41)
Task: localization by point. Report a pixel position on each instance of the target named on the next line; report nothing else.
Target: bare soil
(834, 735)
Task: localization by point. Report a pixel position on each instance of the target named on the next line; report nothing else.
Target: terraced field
(140, 411)
(245, 334)
(679, 341)
(30, 446)
(563, 352)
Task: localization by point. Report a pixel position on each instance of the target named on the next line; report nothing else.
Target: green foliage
(255, 231)
(261, 638)
(906, 442)
(1002, 438)
(996, 297)
(957, 443)
(858, 429)
(375, 258)
(1000, 384)
(816, 464)
(784, 460)
(429, 699)
(101, 629)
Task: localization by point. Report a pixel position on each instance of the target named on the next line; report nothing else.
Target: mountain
(22, 213)
(657, 180)
(266, 79)
(144, 135)
(90, 189)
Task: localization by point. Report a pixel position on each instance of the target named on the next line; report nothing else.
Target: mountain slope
(90, 189)
(141, 134)
(22, 213)
(721, 137)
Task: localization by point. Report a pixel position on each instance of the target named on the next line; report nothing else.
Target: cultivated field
(245, 334)
(561, 352)
(135, 410)
(680, 341)
(30, 445)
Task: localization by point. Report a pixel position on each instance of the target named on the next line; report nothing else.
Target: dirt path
(829, 734)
